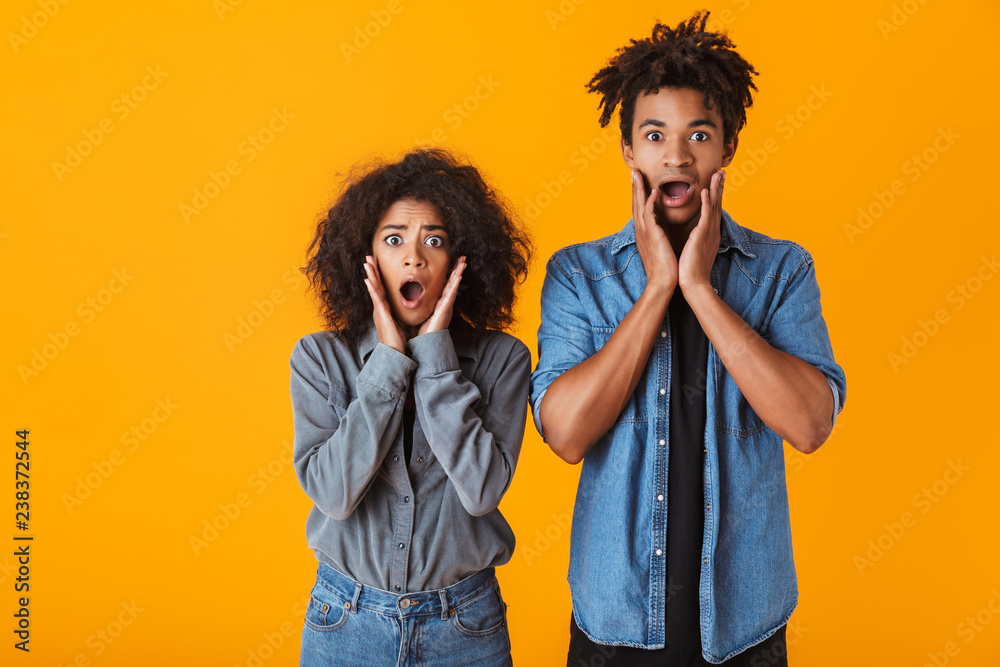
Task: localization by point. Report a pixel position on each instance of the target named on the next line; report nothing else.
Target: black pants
(772, 652)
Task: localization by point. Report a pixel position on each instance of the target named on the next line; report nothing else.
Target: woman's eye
(394, 239)
(654, 136)
(699, 136)
(434, 241)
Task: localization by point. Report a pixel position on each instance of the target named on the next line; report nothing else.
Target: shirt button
(420, 459)
(401, 545)
(659, 552)
(397, 587)
(406, 499)
(662, 441)
(663, 334)
(663, 392)
(395, 458)
(715, 290)
(660, 497)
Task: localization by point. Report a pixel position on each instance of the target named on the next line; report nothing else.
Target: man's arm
(582, 404)
(791, 396)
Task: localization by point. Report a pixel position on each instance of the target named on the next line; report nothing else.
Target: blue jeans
(348, 623)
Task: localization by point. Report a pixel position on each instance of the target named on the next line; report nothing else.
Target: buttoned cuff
(434, 353)
(388, 370)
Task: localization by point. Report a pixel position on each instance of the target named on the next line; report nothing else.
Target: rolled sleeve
(565, 337)
(798, 328)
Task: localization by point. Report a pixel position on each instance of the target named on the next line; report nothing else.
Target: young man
(674, 358)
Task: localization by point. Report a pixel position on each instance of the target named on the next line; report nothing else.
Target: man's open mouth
(675, 189)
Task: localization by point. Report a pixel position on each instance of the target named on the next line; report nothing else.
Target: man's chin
(678, 219)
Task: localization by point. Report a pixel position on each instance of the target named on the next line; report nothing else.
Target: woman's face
(413, 253)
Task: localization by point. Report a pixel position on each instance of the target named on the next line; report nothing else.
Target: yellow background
(869, 86)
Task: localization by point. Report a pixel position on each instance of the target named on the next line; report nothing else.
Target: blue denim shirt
(617, 571)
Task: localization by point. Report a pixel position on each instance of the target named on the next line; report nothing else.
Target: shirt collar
(731, 236)
(465, 345)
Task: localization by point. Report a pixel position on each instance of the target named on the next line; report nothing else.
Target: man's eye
(434, 241)
(699, 136)
(394, 239)
(654, 136)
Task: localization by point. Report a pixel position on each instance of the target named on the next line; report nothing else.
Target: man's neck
(678, 234)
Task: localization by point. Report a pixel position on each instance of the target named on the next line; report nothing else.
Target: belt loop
(354, 600)
(444, 605)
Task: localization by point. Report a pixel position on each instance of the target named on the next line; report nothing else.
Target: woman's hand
(389, 331)
(441, 317)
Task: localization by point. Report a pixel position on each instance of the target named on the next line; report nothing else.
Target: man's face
(677, 144)
(413, 253)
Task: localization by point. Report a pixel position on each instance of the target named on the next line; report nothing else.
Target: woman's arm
(478, 455)
(336, 458)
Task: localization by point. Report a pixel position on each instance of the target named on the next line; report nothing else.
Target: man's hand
(695, 265)
(654, 247)
(389, 331)
(441, 316)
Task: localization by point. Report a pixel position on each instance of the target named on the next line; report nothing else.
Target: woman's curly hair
(681, 57)
(480, 224)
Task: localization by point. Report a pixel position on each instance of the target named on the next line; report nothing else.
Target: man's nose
(676, 153)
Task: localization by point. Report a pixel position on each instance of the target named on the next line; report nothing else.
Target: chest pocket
(634, 410)
(339, 398)
(733, 414)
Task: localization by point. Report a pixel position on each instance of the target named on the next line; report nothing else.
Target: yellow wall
(140, 314)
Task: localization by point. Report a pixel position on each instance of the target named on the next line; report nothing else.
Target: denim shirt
(617, 571)
(430, 524)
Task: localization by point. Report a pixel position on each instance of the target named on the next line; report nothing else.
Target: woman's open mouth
(410, 292)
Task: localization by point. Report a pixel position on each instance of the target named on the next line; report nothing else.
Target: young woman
(409, 413)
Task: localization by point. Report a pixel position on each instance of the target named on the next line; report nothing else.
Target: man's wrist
(658, 291)
(701, 290)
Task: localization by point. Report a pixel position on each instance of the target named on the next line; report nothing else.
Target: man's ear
(729, 151)
(627, 154)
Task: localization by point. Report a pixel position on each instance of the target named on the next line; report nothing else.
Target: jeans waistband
(370, 598)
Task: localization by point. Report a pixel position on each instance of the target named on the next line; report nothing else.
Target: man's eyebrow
(653, 122)
(698, 122)
(703, 121)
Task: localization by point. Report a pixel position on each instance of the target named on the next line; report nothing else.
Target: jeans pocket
(326, 612)
(481, 616)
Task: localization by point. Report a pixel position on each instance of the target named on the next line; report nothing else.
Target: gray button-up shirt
(429, 526)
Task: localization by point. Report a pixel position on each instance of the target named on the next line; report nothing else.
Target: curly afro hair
(480, 224)
(681, 57)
